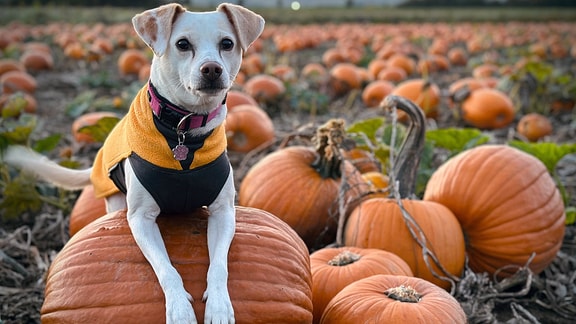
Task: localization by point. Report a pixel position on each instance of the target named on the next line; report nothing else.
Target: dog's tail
(39, 165)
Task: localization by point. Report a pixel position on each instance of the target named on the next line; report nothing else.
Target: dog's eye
(183, 45)
(226, 44)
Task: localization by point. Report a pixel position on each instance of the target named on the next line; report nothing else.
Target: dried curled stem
(405, 166)
(327, 141)
(403, 176)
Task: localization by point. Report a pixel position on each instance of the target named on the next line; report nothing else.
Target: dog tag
(180, 152)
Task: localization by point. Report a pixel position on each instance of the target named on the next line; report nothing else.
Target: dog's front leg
(142, 213)
(221, 228)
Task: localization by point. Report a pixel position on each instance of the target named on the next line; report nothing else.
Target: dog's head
(197, 55)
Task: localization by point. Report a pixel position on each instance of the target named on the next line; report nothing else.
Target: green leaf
(382, 153)
(540, 70)
(18, 131)
(100, 130)
(425, 169)
(47, 144)
(549, 153)
(570, 215)
(456, 139)
(368, 127)
(14, 106)
(81, 103)
(387, 134)
(20, 196)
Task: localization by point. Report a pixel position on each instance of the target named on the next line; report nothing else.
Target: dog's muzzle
(211, 81)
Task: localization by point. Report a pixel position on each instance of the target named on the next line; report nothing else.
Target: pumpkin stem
(327, 141)
(404, 294)
(405, 167)
(344, 258)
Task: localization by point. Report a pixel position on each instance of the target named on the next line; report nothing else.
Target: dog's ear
(154, 26)
(247, 24)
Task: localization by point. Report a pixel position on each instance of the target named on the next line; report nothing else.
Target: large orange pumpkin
(378, 223)
(86, 209)
(335, 268)
(101, 276)
(507, 204)
(300, 185)
(393, 299)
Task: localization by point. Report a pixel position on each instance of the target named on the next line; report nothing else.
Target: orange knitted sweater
(136, 133)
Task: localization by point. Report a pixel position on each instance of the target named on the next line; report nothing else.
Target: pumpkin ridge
(514, 175)
(525, 214)
(480, 177)
(491, 216)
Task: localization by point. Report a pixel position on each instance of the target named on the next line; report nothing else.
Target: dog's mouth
(211, 88)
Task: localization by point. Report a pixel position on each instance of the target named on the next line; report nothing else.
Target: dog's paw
(179, 309)
(218, 308)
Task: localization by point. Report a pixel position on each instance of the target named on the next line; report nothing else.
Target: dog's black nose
(211, 70)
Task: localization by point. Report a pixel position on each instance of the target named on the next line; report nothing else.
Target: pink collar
(174, 116)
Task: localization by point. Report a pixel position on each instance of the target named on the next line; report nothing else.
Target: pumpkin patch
(486, 199)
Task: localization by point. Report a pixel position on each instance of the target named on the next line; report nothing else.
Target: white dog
(168, 154)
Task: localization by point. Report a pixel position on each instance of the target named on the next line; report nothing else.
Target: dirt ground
(28, 245)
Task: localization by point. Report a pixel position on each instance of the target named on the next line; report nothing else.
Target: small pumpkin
(131, 61)
(126, 289)
(19, 102)
(36, 60)
(375, 66)
(247, 128)
(333, 56)
(485, 70)
(392, 74)
(89, 119)
(362, 160)
(7, 64)
(235, 98)
(378, 181)
(15, 80)
(284, 72)
(315, 73)
(422, 92)
(75, 50)
(344, 77)
(264, 88)
(457, 56)
(253, 64)
(402, 61)
(335, 268)
(375, 92)
(488, 108)
(507, 204)
(534, 126)
(393, 299)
